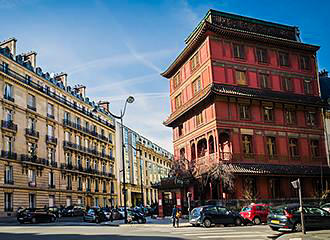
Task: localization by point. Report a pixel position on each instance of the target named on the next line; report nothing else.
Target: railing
(74, 146)
(9, 98)
(8, 155)
(53, 164)
(51, 139)
(31, 132)
(33, 108)
(9, 125)
(34, 159)
(46, 91)
(50, 116)
(9, 181)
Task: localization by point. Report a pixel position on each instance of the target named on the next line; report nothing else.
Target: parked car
(35, 215)
(95, 215)
(116, 214)
(208, 215)
(107, 212)
(73, 211)
(326, 206)
(55, 210)
(135, 216)
(255, 213)
(288, 217)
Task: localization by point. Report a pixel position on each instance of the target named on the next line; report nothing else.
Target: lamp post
(130, 99)
(297, 184)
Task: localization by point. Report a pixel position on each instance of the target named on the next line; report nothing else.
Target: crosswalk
(244, 232)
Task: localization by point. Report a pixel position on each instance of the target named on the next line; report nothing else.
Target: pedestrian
(174, 216)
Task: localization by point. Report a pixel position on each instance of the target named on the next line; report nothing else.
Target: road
(90, 231)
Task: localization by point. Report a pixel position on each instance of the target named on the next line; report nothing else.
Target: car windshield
(246, 209)
(278, 210)
(91, 211)
(196, 212)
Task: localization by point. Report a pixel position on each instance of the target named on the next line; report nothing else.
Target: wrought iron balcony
(53, 164)
(9, 98)
(9, 181)
(9, 125)
(33, 108)
(8, 155)
(51, 139)
(31, 132)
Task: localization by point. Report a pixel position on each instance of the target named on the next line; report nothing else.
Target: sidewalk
(310, 235)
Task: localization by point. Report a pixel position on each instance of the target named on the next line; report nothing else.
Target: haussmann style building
(244, 92)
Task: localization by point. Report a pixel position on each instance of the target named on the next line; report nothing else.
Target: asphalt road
(90, 231)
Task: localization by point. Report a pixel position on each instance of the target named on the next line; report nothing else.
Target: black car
(133, 215)
(73, 211)
(56, 211)
(288, 217)
(35, 215)
(95, 215)
(211, 214)
(116, 215)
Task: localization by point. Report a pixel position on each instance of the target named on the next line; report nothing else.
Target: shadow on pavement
(33, 236)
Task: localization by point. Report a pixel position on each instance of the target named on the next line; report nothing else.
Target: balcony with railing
(9, 181)
(31, 133)
(33, 108)
(8, 155)
(9, 125)
(34, 159)
(53, 163)
(51, 139)
(9, 98)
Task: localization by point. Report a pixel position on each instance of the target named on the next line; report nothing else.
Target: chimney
(32, 57)
(11, 44)
(80, 89)
(323, 73)
(104, 104)
(62, 77)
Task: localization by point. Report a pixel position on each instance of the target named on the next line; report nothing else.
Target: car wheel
(238, 222)
(34, 220)
(257, 221)
(53, 219)
(97, 220)
(297, 227)
(207, 223)
(140, 221)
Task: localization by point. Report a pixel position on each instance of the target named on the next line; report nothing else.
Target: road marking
(255, 237)
(225, 233)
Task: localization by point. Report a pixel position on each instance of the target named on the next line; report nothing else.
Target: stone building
(57, 146)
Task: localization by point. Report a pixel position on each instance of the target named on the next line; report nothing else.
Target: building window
(284, 59)
(51, 154)
(31, 102)
(311, 119)
(177, 80)
(180, 130)
(177, 101)
(110, 137)
(104, 189)
(271, 146)
(315, 148)
(50, 130)
(69, 182)
(247, 144)
(79, 184)
(51, 179)
(67, 116)
(244, 112)
(78, 140)
(287, 84)
(9, 179)
(96, 201)
(50, 110)
(67, 136)
(196, 85)
(32, 200)
(88, 163)
(308, 87)
(268, 114)
(262, 55)
(32, 177)
(68, 158)
(194, 62)
(32, 149)
(96, 185)
(238, 50)
(8, 144)
(68, 201)
(31, 123)
(290, 116)
(78, 122)
(51, 200)
(199, 119)
(8, 115)
(304, 62)
(240, 77)
(5, 67)
(8, 202)
(293, 147)
(8, 92)
(264, 80)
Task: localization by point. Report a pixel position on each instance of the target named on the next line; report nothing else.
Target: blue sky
(119, 48)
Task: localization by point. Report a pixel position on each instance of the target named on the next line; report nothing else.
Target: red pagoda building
(245, 92)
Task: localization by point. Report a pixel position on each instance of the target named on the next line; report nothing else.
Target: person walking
(174, 212)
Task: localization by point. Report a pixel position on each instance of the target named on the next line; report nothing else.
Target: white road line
(225, 233)
(255, 237)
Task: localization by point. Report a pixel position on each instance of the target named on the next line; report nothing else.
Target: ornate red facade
(245, 92)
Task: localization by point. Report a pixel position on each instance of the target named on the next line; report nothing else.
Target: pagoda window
(199, 119)
(293, 147)
(196, 85)
(247, 144)
(287, 84)
(311, 118)
(268, 114)
(178, 101)
(211, 144)
(271, 146)
(315, 148)
(193, 152)
(308, 87)
(177, 80)
(238, 50)
(290, 116)
(194, 62)
(284, 59)
(244, 112)
(201, 147)
(240, 77)
(304, 62)
(180, 128)
(262, 55)
(264, 80)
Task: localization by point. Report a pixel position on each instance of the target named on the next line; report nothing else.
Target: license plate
(275, 221)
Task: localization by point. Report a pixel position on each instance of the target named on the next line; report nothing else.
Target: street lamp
(130, 99)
